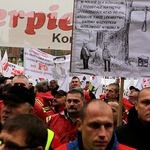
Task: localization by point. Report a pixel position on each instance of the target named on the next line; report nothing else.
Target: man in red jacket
(75, 83)
(43, 106)
(132, 98)
(112, 92)
(95, 129)
(64, 124)
(59, 101)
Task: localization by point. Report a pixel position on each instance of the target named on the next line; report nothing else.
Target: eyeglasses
(19, 84)
(13, 146)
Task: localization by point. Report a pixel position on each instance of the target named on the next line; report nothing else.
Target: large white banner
(42, 66)
(111, 38)
(36, 23)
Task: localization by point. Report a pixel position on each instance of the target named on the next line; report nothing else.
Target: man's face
(110, 92)
(87, 85)
(20, 82)
(52, 86)
(59, 100)
(30, 85)
(8, 81)
(143, 106)
(133, 95)
(97, 127)
(10, 108)
(12, 140)
(59, 62)
(75, 83)
(74, 103)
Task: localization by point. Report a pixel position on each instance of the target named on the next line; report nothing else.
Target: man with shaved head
(95, 129)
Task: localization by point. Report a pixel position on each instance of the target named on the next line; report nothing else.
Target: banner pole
(119, 119)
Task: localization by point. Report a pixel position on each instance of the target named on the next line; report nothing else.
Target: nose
(107, 92)
(6, 108)
(102, 132)
(71, 103)
(53, 99)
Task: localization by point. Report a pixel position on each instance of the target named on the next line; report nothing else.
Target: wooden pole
(119, 120)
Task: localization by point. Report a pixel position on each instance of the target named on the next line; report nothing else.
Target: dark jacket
(134, 134)
(77, 145)
(85, 54)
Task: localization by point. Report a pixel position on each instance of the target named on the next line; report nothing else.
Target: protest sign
(111, 38)
(39, 65)
(9, 69)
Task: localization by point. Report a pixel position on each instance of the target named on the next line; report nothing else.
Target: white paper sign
(111, 38)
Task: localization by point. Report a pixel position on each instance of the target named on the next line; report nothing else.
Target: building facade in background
(14, 53)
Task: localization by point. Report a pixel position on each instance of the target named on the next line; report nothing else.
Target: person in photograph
(58, 72)
(85, 54)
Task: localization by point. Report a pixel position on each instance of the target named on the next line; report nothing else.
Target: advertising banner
(37, 24)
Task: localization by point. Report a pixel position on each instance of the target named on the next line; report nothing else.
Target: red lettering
(3, 14)
(52, 22)
(35, 22)
(52, 17)
(14, 17)
(65, 23)
(40, 66)
(43, 66)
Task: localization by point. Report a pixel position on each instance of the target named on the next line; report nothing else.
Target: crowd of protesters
(45, 117)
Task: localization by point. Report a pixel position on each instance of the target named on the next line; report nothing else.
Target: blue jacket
(77, 145)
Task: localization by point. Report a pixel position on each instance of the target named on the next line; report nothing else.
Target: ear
(117, 94)
(39, 148)
(136, 105)
(79, 124)
(84, 101)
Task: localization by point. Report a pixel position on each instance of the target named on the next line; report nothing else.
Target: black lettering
(56, 37)
(65, 39)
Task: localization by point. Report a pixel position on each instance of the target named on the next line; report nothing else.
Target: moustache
(72, 107)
